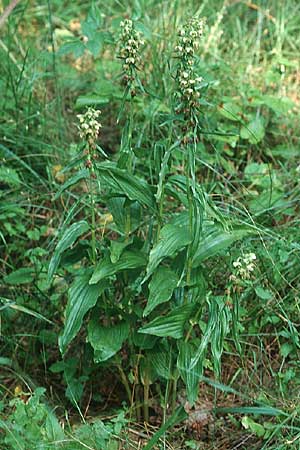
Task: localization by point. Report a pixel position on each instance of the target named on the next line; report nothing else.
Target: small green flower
(130, 43)
(188, 81)
(89, 126)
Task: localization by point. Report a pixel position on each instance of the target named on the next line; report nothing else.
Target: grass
(247, 163)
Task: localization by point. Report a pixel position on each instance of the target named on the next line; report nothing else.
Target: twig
(8, 10)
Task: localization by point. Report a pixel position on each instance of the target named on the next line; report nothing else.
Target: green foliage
(132, 247)
(32, 424)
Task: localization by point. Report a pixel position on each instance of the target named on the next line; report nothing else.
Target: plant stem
(190, 207)
(174, 393)
(94, 256)
(161, 187)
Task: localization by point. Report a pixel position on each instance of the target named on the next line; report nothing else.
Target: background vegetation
(126, 317)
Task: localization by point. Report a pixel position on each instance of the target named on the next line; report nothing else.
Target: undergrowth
(149, 230)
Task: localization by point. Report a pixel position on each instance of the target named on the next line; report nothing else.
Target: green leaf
(122, 182)
(263, 293)
(10, 304)
(255, 427)
(231, 111)
(106, 341)
(254, 132)
(280, 105)
(161, 360)
(172, 239)
(161, 287)
(215, 240)
(205, 339)
(6, 361)
(221, 329)
(82, 174)
(190, 376)
(143, 341)
(284, 151)
(20, 276)
(9, 176)
(263, 410)
(91, 100)
(67, 239)
(117, 248)
(170, 325)
(286, 349)
(130, 259)
(76, 47)
(116, 206)
(81, 298)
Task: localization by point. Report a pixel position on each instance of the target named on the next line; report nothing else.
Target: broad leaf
(170, 325)
(211, 334)
(190, 376)
(161, 361)
(67, 239)
(9, 176)
(221, 329)
(106, 341)
(117, 248)
(81, 298)
(116, 206)
(161, 287)
(128, 260)
(122, 182)
(215, 240)
(20, 276)
(254, 132)
(172, 239)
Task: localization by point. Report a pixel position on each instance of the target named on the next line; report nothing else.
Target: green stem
(190, 207)
(94, 256)
(174, 393)
(192, 325)
(161, 177)
(160, 213)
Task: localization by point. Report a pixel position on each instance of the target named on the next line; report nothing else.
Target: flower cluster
(89, 129)
(244, 267)
(130, 43)
(187, 79)
(188, 40)
(89, 126)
